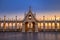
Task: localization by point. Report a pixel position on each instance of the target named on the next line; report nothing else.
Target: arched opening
(13, 25)
(26, 26)
(33, 27)
(29, 27)
(18, 26)
(10, 25)
(6, 25)
(1, 25)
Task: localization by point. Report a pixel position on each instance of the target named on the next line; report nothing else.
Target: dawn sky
(11, 8)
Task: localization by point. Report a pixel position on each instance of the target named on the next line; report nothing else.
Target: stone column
(40, 26)
(59, 24)
(12, 23)
(0, 23)
(23, 27)
(36, 27)
(43, 23)
(48, 26)
(51, 25)
(16, 24)
(43, 26)
(8, 23)
(29, 29)
(4, 23)
(55, 24)
(19, 26)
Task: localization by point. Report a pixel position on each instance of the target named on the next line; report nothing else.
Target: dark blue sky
(7, 6)
(22, 5)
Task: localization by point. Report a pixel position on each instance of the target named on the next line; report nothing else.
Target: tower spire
(30, 9)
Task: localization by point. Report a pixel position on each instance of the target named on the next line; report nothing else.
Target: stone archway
(30, 27)
(33, 29)
(26, 26)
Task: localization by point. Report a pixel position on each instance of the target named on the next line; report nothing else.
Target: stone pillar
(59, 24)
(4, 23)
(55, 24)
(36, 27)
(19, 26)
(40, 26)
(51, 25)
(48, 26)
(0, 23)
(12, 23)
(16, 23)
(29, 29)
(23, 27)
(12, 26)
(43, 23)
(8, 27)
(8, 23)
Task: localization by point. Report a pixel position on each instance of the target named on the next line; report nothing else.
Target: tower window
(30, 17)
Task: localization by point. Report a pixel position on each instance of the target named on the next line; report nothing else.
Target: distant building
(29, 24)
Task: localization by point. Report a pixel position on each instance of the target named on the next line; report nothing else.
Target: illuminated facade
(29, 24)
